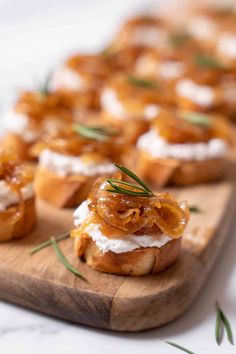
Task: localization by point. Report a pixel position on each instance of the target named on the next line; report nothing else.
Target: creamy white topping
(157, 147)
(8, 197)
(111, 104)
(171, 69)
(202, 28)
(66, 78)
(149, 36)
(105, 244)
(202, 95)
(226, 45)
(18, 123)
(65, 165)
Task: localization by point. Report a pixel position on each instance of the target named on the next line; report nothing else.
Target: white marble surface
(34, 36)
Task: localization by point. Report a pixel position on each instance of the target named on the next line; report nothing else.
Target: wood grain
(119, 303)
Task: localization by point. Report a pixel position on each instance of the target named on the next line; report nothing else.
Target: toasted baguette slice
(63, 192)
(20, 148)
(150, 260)
(162, 172)
(22, 226)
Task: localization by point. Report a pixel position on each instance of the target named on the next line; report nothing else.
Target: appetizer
(125, 228)
(17, 204)
(70, 161)
(37, 113)
(184, 148)
(81, 73)
(200, 88)
(146, 31)
(130, 103)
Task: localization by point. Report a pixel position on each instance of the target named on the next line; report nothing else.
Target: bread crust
(142, 261)
(23, 226)
(13, 142)
(63, 192)
(162, 172)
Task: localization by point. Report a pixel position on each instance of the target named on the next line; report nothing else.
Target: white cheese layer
(105, 244)
(157, 147)
(170, 70)
(65, 78)
(111, 104)
(202, 28)
(202, 95)
(149, 36)
(8, 197)
(65, 165)
(18, 123)
(226, 45)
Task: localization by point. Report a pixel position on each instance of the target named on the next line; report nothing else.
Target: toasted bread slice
(162, 172)
(142, 261)
(63, 192)
(23, 226)
(20, 148)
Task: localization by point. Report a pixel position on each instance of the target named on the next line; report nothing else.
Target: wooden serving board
(113, 302)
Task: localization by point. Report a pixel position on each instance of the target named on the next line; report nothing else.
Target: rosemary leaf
(63, 260)
(194, 209)
(128, 192)
(226, 324)
(208, 62)
(126, 184)
(134, 177)
(179, 347)
(197, 118)
(137, 81)
(44, 88)
(48, 242)
(94, 132)
(178, 39)
(218, 328)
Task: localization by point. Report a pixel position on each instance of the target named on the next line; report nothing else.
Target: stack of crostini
(155, 106)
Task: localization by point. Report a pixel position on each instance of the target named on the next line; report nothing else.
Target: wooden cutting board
(119, 303)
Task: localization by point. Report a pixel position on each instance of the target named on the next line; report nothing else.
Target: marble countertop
(34, 37)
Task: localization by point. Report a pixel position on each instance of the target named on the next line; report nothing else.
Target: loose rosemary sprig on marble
(221, 324)
(137, 190)
(96, 132)
(179, 347)
(194, 209)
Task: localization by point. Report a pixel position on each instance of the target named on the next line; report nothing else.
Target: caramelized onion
(15, 177)
(122, 214)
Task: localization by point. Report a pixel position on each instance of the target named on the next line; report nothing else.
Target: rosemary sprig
(178, 39)
(179, 347)
(139, 190)
(221, 323)
(194, 209)
(49, 243)
(96, 132)
(208, 62)
(44, 87)
(197, 118)
(137, 81)
(63, 260)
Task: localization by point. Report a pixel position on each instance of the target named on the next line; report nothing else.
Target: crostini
(144, 30)
(183, 148)
(124, 228)
(17, 202)
(130, 103)
(37, 113)
(70, 162)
